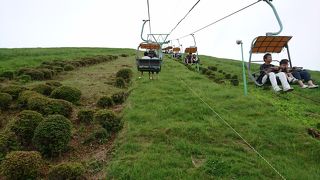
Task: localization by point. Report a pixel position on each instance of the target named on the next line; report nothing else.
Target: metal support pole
(243, 70)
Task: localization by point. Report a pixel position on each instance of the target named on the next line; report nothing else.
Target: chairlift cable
(223, 18)
(235, 131)
(184, 16)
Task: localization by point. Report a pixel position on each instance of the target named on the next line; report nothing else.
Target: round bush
(99, 136)
(24, 97)
(124, 55)
(235, 82)
(39, 104)
(24, 78)
(234, 77)
(5, 100)
(212, 68)
(7, 74)
(119, 98)
(8, 142)
(22, 165)
(67, 93)
(58, 69)
(105, 102)
(59, 106)
(120, 83)
(43, 89)
(85, 116)
(228, 76)
(68, 67)
(108, 120)
(53, 84)
(25, 124)
(13, 90)
(47, 73)
(35, 74)
(67, 171)
(52, 135)
(126, 74)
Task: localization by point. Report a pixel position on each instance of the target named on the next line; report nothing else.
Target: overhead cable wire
(235, 131)
(184, 16)
(225, 17)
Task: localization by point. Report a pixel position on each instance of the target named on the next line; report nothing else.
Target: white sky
(117, 23)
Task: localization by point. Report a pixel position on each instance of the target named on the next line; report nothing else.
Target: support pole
(239, 42)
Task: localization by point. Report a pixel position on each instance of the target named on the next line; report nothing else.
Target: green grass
(12, 59)
(171, 134)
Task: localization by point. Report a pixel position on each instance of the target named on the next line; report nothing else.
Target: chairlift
(191, 54)
(270, 43)
(153, 46)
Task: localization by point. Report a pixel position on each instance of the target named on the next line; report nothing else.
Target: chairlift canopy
(176, 49)
(270, 44)
(191, 50)
(153, 46)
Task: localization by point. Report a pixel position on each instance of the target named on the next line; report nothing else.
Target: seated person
(152, 54)
(195, 59)
(297, 75)
(188, 58)
(145, 55)
(269, 71)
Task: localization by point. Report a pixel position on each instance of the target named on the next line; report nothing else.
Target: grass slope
(12, 59)
(171, 134)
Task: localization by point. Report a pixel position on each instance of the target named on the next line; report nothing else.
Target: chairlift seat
(149, 65)
(191, 50)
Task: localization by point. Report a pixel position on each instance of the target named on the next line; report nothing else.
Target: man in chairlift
(271, 73)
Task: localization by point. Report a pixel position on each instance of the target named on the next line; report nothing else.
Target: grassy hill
(174, 126)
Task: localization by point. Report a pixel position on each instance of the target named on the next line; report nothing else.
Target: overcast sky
(117, 23)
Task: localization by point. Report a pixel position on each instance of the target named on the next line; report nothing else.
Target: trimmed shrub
(67, 93)
(24, 97)
(120, 97)
(105, 102)
(212, 68)
(47, 73)
(39, 104)
(47, 106)
(99, 136)
(13, 90)
(8, 142)
(52, 135)
(204, 70)
(68, 67)
(235, 82)
(35, 74)
(126, 74)
(67, 171)
(318, 126)
(22, 165)
(124, 55)
(234, 77)
(25, 124)
(53, 83)
(228, 76)
(85, 116)
(59, 106)
(43, 89)
(108, 120)
(5, 100)
(120, 82)
(7, 74)
(24, 78)
(58, 69)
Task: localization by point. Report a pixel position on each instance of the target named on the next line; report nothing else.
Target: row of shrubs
(48, 69)
(30, 165)
(219, 76)
(35, 98)
(212, 72)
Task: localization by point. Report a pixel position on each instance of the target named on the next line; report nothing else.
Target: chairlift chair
(150, 65)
